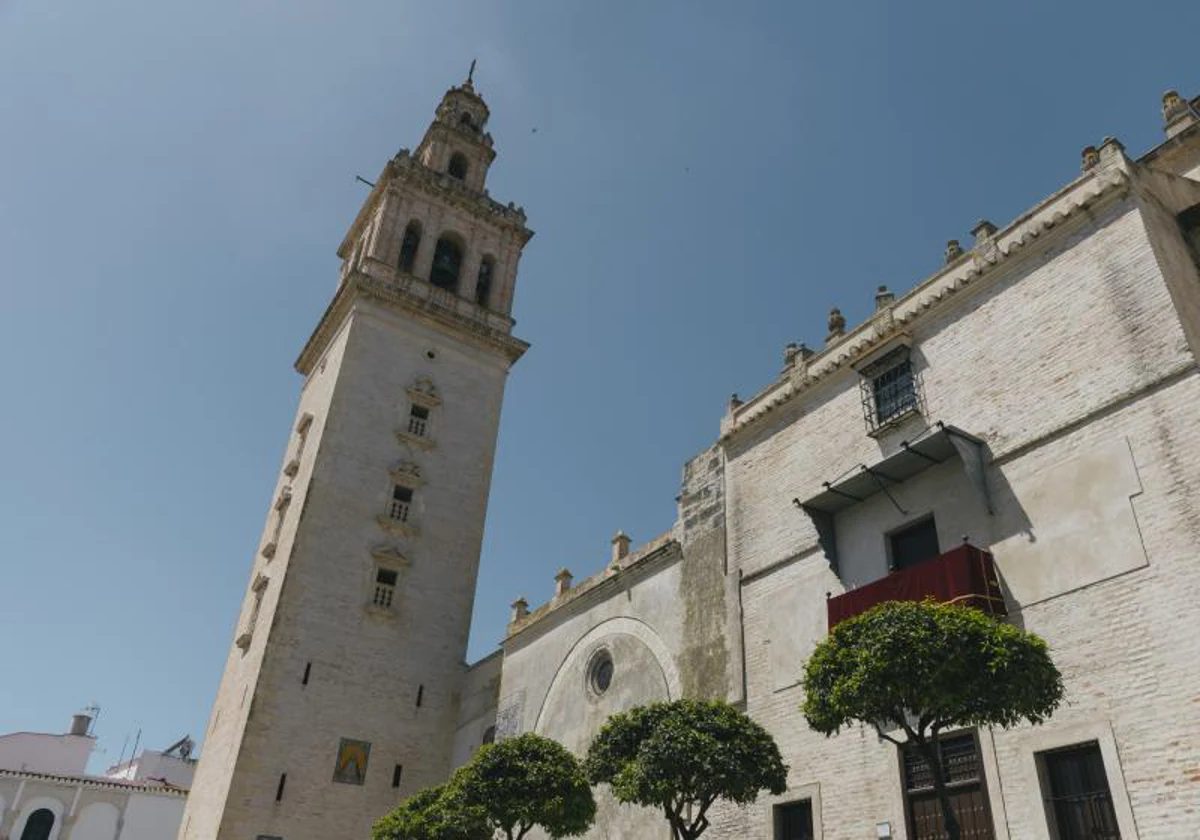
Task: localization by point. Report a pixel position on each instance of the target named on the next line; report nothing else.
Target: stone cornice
(431, 305)
(970, 271)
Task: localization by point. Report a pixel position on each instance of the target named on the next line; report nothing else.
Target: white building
(1020, 430)
(45, 793)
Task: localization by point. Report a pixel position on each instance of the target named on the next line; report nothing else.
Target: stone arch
(33, 806)
(97, 821)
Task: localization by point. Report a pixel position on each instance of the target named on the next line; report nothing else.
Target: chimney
(520, 609)
(884, 298)
(562, 583)
(80, 724)
(1178, 113)
(620, 547)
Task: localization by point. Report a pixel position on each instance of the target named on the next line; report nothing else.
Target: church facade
(1019, 431)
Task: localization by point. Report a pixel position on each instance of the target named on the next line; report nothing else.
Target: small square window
(418, 420)
(401, 501)
(913, 544)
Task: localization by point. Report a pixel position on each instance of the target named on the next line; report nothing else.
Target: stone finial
(1090, 157)
(735, 402)
(953, 251)
(562, 582)
(790, 352)
(884, 298)
(520, 610)
(837, 325)
(1178, 113)
(983, 230)
(1172, 104)
(620, 547)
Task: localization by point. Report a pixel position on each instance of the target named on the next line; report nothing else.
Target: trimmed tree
(684, 755)
(437, 813)
(528, 781)
(923, 668)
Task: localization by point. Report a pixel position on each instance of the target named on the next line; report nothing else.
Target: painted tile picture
(351, 767)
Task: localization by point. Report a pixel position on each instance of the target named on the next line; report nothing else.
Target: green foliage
(437, 813)
(942, 664)
(526, 781)
(684, 755)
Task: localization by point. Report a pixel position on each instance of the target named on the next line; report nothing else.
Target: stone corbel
(406, 473)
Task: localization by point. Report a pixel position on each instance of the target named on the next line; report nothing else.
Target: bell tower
(340, 693)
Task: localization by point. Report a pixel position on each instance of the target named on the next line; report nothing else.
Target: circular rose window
(600, 671)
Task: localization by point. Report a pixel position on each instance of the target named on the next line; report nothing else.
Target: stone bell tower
(340, 693)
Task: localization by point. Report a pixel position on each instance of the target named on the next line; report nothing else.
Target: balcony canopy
(940, 444)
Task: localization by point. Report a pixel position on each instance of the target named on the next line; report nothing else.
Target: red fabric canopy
(965, 575)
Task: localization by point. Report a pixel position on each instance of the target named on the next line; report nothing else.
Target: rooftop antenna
(471, 73)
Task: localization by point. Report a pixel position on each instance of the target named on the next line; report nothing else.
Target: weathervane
(471, 73)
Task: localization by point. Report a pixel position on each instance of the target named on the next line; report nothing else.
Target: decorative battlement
(1107, 179)
(622, 563)
(455, 191)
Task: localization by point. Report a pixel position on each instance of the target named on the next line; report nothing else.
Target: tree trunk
(929, 749)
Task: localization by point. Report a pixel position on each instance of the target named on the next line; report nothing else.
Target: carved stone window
(385, 587)
(458, 166)
(600, 671)
(483, 284)
(418, 420)
(418, 425)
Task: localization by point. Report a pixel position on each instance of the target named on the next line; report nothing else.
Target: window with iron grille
(401, 501)
(1078, 801)
(418, 420)
(889, 388)
(963, 771)
(385, 588)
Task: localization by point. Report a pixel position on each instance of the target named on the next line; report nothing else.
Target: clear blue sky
(706, 180)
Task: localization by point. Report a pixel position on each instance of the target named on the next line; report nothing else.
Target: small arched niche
(458, 166)
(447, 263)
(409, 245)
(483, 283)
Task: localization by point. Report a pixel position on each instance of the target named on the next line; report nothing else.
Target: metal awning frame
(940, 444)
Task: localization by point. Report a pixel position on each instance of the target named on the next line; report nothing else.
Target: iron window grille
(418, 420)
(890, 389)
(401, 502)
(385, 588)
(1078, 795)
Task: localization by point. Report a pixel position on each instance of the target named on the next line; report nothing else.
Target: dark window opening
(279, 790)
(39, 825)
(447, 260)
(401, 501)
(913, 544)
(387, 577)
(420, 694)
(418, 420)
(1078, 799)
(1189, 224)
(483, 285)
(307, 671)
(458, 166)
(408, 247)
(794, 821)
(963, 772)
(397, 772)
(466, 120)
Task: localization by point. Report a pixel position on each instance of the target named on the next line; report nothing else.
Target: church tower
(340, 693)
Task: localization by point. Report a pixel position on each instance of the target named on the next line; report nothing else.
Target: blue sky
(706, 180)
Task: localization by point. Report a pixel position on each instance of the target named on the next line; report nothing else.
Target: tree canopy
(526, 781)
(923, 668)
(436, 813)
(682, 756)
